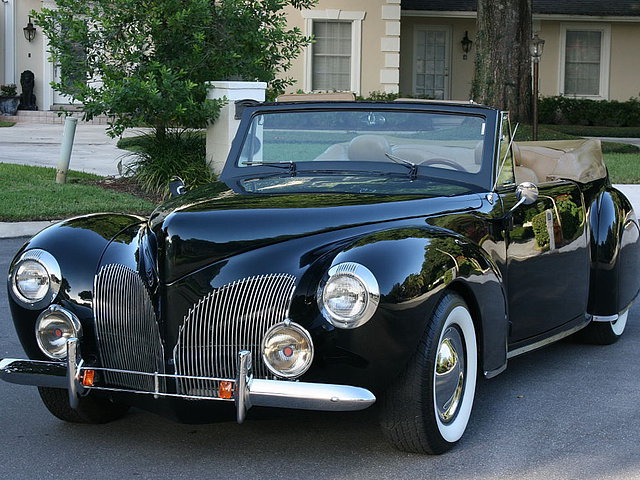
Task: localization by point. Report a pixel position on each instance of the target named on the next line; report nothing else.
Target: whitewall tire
(428, 407)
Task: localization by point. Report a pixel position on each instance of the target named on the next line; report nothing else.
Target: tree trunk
(503, 62)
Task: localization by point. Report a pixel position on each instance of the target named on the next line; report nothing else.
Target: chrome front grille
(127, 331)
(232, 318)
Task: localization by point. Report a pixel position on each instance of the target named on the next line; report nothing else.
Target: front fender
(414, 267)
(77, 244)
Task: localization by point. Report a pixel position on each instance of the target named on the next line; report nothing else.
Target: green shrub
(377, 96)
(9, 90)
(539, 224)
(583, 111)
(181, 153)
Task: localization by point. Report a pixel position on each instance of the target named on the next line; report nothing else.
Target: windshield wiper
(290, 166)
(413, 168)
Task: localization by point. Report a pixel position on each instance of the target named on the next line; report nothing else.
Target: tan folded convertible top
(579, 160)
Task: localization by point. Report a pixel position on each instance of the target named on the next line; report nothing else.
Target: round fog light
(53, 328)
(287, 350)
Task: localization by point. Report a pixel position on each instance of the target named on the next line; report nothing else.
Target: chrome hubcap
(449, 375)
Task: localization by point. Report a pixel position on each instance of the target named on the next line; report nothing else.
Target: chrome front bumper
(247, 391)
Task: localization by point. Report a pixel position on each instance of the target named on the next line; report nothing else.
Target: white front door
(432, 52)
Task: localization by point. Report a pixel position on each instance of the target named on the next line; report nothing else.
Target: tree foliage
(146, 61)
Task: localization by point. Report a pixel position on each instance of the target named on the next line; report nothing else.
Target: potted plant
(9, 99)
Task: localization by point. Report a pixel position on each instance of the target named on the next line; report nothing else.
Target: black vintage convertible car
(351, 253)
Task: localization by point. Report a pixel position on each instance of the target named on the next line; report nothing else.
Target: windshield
(448, 141)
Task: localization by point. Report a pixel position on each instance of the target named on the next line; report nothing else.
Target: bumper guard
(247, 391)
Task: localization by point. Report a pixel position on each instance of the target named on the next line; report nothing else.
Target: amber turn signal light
(88, 378)
(225, 390)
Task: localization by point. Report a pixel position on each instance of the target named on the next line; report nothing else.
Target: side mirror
(526, 193)
(177, 187)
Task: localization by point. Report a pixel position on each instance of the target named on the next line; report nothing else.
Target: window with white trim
(332, 62)
(585, 61)
(331, 52)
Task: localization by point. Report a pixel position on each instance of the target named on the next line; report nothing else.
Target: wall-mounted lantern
(29, 31)
(467, 43)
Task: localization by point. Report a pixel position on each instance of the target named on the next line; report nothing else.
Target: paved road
(569, 411)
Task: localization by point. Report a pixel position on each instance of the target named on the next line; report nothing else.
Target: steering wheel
(444, 161)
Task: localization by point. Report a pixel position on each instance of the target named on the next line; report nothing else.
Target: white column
(9, 41)
(390, 47)
(47, 67)
(221, 133)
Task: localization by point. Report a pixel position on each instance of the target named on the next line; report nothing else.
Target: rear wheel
(428, 407)
(604, 333)
(90, 409)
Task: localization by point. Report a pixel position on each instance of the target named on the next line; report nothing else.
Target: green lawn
(30, 193)
(623, 167)
(4, 123)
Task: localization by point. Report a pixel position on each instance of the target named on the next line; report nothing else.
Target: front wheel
(426, 410)
(90, 409)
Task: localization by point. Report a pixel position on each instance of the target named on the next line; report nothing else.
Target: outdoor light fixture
(467, 43)
(29, 31)
(536, 46)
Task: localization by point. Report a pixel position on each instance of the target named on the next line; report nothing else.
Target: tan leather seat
(369, 148)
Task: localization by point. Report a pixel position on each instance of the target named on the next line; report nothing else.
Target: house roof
(622, 8)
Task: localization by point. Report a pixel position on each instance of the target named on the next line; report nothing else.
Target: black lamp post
(466, 44)
(536, 47)
(29, 31)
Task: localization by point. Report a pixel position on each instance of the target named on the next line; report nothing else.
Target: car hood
(213, 222)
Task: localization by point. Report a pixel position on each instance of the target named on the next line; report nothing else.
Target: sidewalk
(39, 144)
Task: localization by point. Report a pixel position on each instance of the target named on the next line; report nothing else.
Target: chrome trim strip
(547, 341)
(603, 318)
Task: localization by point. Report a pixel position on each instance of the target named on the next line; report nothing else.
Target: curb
(23, 229)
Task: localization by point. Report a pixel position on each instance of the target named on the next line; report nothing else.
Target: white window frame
(356, 19)
(449, 33)
(605, 56)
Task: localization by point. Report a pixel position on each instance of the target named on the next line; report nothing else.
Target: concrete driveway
(39, 144)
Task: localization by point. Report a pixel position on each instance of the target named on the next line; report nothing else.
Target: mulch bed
(127, 185)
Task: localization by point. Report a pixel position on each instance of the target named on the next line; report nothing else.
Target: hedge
(582, 111)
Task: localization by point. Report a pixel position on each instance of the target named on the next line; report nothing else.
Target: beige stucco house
(415, 47)
(412, 47)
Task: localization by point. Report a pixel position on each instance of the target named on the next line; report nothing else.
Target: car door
(547, 270)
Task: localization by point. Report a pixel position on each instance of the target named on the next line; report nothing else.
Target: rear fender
(615, 254)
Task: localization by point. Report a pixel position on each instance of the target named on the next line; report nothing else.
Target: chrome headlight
(54, 327)
(287, 349)
(35, 279)
(349, 297)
